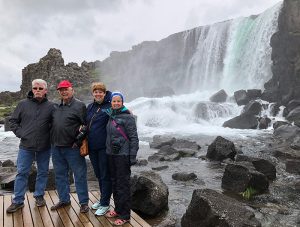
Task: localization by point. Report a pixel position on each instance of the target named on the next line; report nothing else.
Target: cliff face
(52, 69)
(285, 83)
(229, 55)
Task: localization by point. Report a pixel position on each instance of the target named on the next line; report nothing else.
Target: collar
(69, 103)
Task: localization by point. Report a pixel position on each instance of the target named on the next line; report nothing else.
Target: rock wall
(52, 69)
(285, 83)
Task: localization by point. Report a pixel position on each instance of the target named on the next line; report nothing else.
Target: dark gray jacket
(31, 121)
(116, 144)
(66, 122)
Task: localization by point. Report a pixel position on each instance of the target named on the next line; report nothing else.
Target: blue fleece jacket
(96, 121)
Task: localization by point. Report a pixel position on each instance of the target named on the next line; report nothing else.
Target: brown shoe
(60, 205)
(14, 207)
(84, 208)
(40, 201)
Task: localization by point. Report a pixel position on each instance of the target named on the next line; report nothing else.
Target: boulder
(159, 141)
(239, 177)
(7, 177)
(287, 131)
(186, 148)
(293, 104)
(252, 108)
(209, 208)
(184, 176)
(8, 163)
(253, 94)
(294, 116)
(277, 124)
(241, 97)
(159, 168)
(149, 194)
(220, 96)
(264, 122)
(293, 166)
(141, 162)
(261, 165)
(243, 121)
(221, 149)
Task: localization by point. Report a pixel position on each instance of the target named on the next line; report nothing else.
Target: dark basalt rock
(220, 96)
(221, 149)
(243, 121)
(241, 97)
(209, 208)
(184, 176)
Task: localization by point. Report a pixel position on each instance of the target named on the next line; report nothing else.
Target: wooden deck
(31, 215)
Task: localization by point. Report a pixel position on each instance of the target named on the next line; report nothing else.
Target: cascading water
(232, 55)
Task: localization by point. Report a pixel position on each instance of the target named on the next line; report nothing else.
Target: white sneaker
(101, 210)
(96, 206)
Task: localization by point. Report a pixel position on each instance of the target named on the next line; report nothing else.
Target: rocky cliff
(285, 83)
(52, 69)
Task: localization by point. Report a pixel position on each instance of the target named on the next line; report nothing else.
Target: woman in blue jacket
(96, 121)
(122, 144)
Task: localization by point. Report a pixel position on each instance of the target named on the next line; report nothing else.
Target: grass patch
(248, 193)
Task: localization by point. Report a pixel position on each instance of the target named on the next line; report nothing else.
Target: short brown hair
(98, 86)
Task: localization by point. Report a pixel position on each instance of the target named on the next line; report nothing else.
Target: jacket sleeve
(82, 133)
(15, 121)
(131, 130)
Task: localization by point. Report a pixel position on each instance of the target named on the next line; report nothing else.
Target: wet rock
(297, 186)
(159, 141)
(220, 96)
(182, 144)
(184, 176)
(210, 208)
(141, 162)
(296, 143)
(241, 97)
(287, 131)
(243, 121)
(253, 94)
(261, 165)
(8, 163)
(277, 124)
(292, 166)
(252, 108)
(238, 177)
(294, 116)
(293, 104)
(7, 124)
(167, 222)
(7, 177)
(149, 194)
(50, 182)
(264, 122)
(221, 149)
(159, 168)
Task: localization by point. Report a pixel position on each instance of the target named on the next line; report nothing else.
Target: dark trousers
(99, 160)
(120, 176)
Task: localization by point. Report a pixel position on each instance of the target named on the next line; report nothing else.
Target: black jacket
(66, 122)
(116, 144)
(31, 121)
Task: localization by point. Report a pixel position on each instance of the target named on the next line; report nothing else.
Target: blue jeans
(64, 158)
(99, 160)
(24, 163)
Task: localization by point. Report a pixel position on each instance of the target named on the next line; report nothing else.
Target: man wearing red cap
(67, 119)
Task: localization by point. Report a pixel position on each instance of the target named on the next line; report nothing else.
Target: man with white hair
(31, 122)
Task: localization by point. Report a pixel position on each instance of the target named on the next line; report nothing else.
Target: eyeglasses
(38, 88)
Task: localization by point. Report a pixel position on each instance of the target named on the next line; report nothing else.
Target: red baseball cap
(64, 84)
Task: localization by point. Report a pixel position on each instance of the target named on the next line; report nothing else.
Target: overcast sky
(90, 29)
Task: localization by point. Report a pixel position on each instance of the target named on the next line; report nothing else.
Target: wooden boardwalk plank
(62, 213)
(53, 214)
(35, 213)
(31, 215)
(27, 218)
(138, 221)
(8, 218)
(90, 215)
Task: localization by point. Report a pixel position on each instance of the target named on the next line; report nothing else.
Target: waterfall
(232, 55)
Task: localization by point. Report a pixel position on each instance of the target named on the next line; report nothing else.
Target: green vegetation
(6, 110)
(248, 193)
